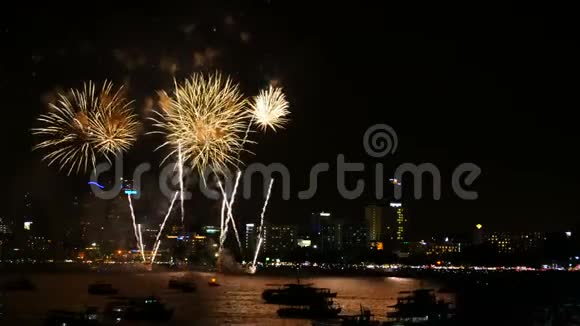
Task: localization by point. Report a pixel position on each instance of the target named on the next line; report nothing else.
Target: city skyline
(425, 87)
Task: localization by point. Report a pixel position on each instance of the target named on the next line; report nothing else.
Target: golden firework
(206, 118)
(84, 125)
(270, 108)
(115, 126)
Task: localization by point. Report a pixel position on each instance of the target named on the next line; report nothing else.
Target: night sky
(498, 90)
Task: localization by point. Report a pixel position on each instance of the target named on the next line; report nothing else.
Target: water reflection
(236, 301)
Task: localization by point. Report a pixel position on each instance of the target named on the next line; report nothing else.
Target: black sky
(496, 89)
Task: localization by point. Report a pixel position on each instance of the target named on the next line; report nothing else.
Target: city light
(326, 214)
(395, 182)
(27, 225)
(478, 226)
(396, 204)
(304, 243)
(130, 192)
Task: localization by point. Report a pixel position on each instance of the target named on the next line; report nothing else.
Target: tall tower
(397, 224)
(400, 221)
(28, 218)
(374, 216)
(250, 239)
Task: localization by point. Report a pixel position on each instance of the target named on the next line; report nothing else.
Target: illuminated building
(330, 236)
(304, 243)
(501, 241)
(377, 245)
(250, 238)
(28, 218)
(400, 222)
(442, 249)
(4, 227)
(149, 233)
(317, 220)
(279, 239)
(528, 241)
(38, 243)
(198, 243)
(354, 236)
(519, 242)
(210, 230)
(374, 216)
(478, 234)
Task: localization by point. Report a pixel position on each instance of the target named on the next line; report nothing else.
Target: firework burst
(115, 126)
(84, 125)
(205, 117)
(270, 108)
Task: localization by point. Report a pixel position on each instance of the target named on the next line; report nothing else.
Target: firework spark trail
(261, 233)
(141, 242)
(230, 209)
(155, 251)
(180, 159)
(224, 229)
(266, 203)
(135, 229)
(253, 267)
(222, 213)
(157, 241)
(230, 217)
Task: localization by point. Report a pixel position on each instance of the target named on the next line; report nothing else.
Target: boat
(22, 284)
(295, 294)
(319, 309)
(365, 318)
(183, 285)
(90, 317)
(419, 307)
(102, 289)
(213, 282)
(137, 309)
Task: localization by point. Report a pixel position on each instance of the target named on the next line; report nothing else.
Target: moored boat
(419, 307)
(320, 309)
(295, 294)
(137, 309)
(90, 317)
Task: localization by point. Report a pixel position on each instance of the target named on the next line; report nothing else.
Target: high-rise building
(354, 236)
(519, 242)
(279, 239)
(28, 212)
(330, 236)
(374, 216)
(400, 221)
(527, 241)
(4, 227)
(502, 241)
(250, 239)
(478, 234)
